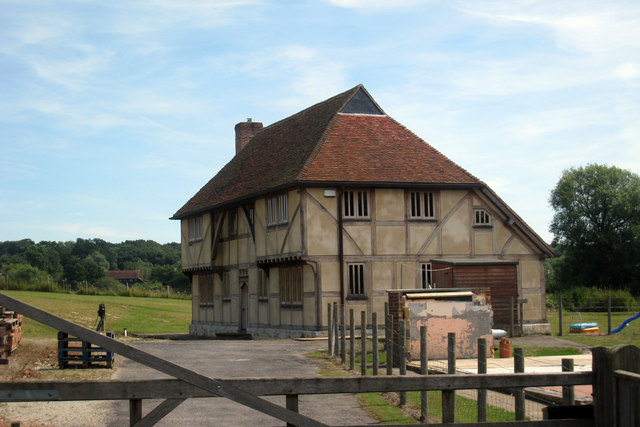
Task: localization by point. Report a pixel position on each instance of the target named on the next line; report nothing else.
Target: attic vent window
(481, 218)
(361, 103)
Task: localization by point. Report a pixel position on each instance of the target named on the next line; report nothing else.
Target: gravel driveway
(238, 359)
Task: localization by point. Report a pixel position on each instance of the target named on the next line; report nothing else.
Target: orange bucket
(505, 347)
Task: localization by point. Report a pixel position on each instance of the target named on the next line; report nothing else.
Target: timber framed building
(340, 203)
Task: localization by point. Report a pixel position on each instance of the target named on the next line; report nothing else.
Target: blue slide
(624, 324)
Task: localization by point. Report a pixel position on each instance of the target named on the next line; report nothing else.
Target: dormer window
(481, 218)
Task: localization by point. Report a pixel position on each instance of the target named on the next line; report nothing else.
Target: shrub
(593, 299)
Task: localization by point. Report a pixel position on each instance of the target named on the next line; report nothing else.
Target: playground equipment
(625, 323)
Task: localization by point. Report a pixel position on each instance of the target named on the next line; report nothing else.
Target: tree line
(71, 265)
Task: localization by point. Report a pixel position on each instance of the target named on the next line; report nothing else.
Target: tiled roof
(322, 145)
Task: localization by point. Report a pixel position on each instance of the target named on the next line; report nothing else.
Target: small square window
(421, 205)
(356, 280)
(356, 204)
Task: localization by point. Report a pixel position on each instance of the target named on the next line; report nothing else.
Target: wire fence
(371, 349)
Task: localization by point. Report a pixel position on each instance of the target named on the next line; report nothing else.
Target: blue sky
(113, 114)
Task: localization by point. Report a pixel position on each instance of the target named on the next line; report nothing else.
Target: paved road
(238, 359)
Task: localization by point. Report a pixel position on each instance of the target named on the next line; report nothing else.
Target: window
(421, 205)
(355, 204)
(291, 286)
(263, 286)
(195, 229)
(426, 277)
(481, 217)
(233, 222)
(277, 210)
(205, 285)
(356, 280)
(226, 287)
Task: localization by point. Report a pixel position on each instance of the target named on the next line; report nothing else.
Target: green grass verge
(380, 409)
(138, 315)
(466, 409)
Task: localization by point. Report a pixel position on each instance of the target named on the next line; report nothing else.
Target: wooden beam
(171, 388)
(159, 412)
(213, 386)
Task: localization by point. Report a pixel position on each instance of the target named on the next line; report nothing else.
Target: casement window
(421, 205)
(205, 288)
(226, 287)
(355, 204)
(195, 229)
(263, 285)
(426, 276)
(356, 280)
(277, 210)
(481, 217)
(290, 286)
(233, 222)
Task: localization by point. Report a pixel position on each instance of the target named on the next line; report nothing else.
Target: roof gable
(361, 103)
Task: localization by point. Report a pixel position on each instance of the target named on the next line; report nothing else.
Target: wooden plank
(164, 366)
(172, 388)
(159, 412)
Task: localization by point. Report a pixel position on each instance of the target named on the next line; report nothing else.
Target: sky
(113, 114)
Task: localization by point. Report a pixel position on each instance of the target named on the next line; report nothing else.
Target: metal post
(343, 336)
(424, 395)
(609, 315)
(403, 360)
(482, 369)
(568, 392)
(518, 367)
(352, 341)
(374, 341)
(363, 343)
(329, 331)
(449, 396)
(336, 332)
(389, 343)
(559, 315)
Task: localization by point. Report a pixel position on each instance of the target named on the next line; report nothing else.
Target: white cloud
(367, 5)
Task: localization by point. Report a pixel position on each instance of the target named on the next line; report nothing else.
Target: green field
(138, 315)
(629, 335)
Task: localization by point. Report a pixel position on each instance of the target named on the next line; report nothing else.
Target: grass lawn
(629, 335)
(138, 315)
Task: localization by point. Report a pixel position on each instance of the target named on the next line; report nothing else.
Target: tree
(597, 227)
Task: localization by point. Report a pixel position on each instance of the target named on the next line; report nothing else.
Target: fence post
(336, 330)
(374, 341)
(352, 341)
(135, 411)
(449, 396)
(389, 343)
(343, 336)
(559, 315)
(363, 343)
(511, 319)
(403, 359)
(291, 401)
(609, 315)
(518, 393)
(482, 369)
(329, 331)
(605, 362)
(568, 393)
(424, 395)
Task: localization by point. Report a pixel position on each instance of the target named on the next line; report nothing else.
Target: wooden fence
(612, 378)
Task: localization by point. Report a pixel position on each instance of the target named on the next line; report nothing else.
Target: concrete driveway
(238, 359)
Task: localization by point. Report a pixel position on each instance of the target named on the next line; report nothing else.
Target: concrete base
(211, 329)
(536, 329)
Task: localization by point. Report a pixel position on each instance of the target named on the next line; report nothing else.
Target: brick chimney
(245, 131)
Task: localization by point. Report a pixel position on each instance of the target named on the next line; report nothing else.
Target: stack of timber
(74, 352)
(10, 333)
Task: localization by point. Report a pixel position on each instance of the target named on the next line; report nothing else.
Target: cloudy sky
(113, 114)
